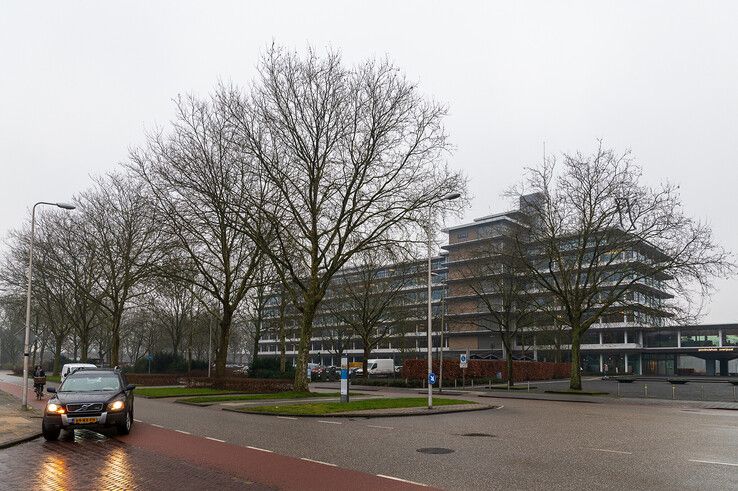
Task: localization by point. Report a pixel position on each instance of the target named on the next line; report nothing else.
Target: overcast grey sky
(81, 81)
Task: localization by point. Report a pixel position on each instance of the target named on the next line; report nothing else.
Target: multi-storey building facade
(632, 337)
(404, 320)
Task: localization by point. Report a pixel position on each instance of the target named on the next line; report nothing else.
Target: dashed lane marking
(402, 480)
(137, 420)
(158, 426)
(259, 449)
(183, 432)
(215, 439)
(380, 427)
(714, 462)
(285, 417)
(330, 422)
(318, 461)
(610, 451)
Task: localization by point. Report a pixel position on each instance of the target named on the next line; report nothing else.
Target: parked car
(71, 367)
(89, 398)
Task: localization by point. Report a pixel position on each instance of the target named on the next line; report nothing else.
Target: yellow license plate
(81, 421)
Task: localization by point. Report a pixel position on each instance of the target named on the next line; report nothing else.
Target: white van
(378, 366)
(70, 367)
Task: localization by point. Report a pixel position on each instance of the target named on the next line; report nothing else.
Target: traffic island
(216, 399)
(370, 408)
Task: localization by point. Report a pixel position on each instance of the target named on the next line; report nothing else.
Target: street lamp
(26, 348)
(448, 197)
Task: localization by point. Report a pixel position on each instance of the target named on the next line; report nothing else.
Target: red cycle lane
(264, 467)
(258, 466)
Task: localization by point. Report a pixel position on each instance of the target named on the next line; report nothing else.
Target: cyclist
(39, 380)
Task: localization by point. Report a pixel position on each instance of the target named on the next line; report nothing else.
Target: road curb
(18, 441)
(548, 399)
(482, 407)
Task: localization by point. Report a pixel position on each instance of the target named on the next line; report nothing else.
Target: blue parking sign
(431, 378)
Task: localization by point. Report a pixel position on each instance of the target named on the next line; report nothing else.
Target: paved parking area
(87, 460)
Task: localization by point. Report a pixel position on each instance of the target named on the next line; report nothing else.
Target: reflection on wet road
(86, 460)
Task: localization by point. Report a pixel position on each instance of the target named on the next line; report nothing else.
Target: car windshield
(90, 383)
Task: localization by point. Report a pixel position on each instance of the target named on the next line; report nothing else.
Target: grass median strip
(256, 397)
(156, 392)
(320, 408)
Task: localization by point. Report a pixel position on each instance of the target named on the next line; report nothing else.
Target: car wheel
(125, 427)
(50, 434)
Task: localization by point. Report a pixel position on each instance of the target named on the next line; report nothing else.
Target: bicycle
(38, 387)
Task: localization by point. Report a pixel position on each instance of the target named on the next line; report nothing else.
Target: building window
(462, 235)
(700, 339)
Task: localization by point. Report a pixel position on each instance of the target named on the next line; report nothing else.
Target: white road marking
(259, 449)
(215, 439)
(318, 462)
(381, 427)
(158, 426)
(499, 407)
(137, 420)
(330, 422)
(284, 417)
(183, 432)
(713, 462)
(610, 451)
(402, 480)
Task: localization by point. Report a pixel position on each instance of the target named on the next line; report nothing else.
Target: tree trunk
(282, 351)
(257, 337)
(575, 379)
(115, 339)
(57, 353)
(303, 352)
(510, 378)
(282, 341)
(365, 363)
(225, 332)
(84, 345)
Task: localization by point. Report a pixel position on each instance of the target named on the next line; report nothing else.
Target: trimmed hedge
(241, 384)
(488, 369)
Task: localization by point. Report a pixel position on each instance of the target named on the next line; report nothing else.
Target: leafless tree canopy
(346, 159)
(597, 232)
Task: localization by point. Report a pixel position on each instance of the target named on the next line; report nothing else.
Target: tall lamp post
(26, 348)
(448, 197)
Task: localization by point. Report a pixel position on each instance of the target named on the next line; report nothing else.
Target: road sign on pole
(463, 360)
(431, 378)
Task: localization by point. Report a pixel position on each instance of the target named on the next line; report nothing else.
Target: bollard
(472, 383)
(645, 391)
(734, 393)
(673, 391)
(454, 383)
(528, 385)
(618, 388)
(702, 392)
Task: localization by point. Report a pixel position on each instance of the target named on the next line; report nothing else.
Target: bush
(269, 368)
(241, 384)
(163, 362)
(488, 369)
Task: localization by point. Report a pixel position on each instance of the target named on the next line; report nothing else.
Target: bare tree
(195, 174)
(597, 235)
(348, 159)
(369, 297)
(496, 279)
(122, 226)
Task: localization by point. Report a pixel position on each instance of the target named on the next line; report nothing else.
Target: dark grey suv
(90, 398)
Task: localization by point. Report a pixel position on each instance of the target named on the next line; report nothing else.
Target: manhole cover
(435, 450)
(478, 435)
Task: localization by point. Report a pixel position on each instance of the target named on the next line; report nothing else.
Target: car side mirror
(51, 390)
(130, 387)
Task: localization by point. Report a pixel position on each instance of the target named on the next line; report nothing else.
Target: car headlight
(55, 408)
(116, 405)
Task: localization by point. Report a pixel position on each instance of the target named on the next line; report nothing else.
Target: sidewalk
(16, 425)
